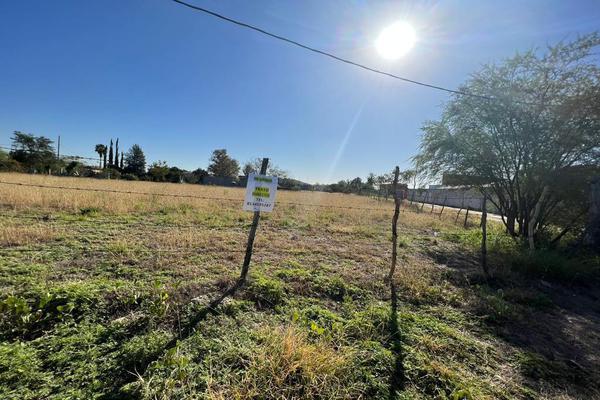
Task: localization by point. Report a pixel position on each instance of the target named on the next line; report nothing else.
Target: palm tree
(101, 150)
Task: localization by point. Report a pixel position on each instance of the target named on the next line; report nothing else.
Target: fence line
(190, 196)
(49, 219)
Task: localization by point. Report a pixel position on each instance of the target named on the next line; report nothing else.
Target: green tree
(223, 165)
(135, 161)
(74, 168)
(371, 180)
(543, 122)
(248, 169)
(33, 152)
(158, 171)
(101, 150)
(272, 169)
(117, 153)
(7, 163)
(110, 154)
(356, 185)
(195, 176)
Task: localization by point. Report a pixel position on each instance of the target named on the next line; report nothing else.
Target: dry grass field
(97, 290)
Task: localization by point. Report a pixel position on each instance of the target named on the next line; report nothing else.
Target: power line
(64, 156)
(330, 55)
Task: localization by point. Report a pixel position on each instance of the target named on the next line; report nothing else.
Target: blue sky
(182, 84)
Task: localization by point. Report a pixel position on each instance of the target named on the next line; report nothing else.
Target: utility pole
(58, 149)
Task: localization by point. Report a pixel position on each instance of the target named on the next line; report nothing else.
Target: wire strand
(187, 196)
(330, 55)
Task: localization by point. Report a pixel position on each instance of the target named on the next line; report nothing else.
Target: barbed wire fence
(410, 202)
(400, 205)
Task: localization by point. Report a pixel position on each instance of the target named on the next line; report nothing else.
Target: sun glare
(396, 40)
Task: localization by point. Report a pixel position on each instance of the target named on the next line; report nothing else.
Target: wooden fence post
(252, 234)
(462, 205)
(457, 215)
(484, 236)
(443, 206)
(423, 200)
(394, 224)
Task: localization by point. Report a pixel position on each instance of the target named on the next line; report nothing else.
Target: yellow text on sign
(261, 192)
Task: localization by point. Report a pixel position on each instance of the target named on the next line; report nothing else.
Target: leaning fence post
(484, 236)
(462, 205)
(394, 224)
(466, 217)
(443, 205)
(252, 234)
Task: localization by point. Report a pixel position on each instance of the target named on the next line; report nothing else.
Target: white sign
(260, 193)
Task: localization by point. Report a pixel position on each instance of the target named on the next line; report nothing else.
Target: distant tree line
(36, 154)
(372, 185)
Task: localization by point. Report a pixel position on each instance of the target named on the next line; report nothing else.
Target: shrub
(336, 288)
(141, 350)
(266, 292)
(130, 177)
(21, 373)
(555, 265)
(10, 165)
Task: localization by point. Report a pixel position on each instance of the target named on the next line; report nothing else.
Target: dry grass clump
(19, 235)
(216, 198)
(288, 366)
(64, 199)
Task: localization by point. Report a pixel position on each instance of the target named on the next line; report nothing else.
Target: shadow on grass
(211, 309)
(397, 380)
(551, 324)
(185, 332)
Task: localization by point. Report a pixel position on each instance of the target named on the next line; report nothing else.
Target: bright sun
(396, 40)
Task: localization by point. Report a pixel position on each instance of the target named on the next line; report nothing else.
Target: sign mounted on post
(260, 192)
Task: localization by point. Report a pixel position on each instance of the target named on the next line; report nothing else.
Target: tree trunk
(592, 231)
(534, 218)
(510, 223)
